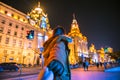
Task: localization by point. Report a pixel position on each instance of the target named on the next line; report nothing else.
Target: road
(94, 75)
(22, 72)
(79, 74)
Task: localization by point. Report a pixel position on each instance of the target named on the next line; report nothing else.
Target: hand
(45, 74)
(56, 67)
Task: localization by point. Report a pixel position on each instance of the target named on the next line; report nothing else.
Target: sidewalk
(93, 68)
(24, 72)
(36, 70)
(33, 72)
(115, 69)
(80, 74)
(29, 77)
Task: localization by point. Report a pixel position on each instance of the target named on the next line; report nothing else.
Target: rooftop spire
(73, 15)
(39, 4)
(74, 20)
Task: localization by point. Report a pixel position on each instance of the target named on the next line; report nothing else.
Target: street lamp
(5, 56)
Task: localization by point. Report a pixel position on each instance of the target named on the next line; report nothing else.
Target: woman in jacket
(56, 53)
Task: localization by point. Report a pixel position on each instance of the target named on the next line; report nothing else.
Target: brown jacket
(55, 49)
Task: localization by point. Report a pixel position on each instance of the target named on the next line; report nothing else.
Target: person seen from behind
(56, 53)
(86, 64)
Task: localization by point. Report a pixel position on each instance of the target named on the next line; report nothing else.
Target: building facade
(94, 56)
(79, 46)
(14, 46)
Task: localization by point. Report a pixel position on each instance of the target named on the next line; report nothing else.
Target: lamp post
(5, 55)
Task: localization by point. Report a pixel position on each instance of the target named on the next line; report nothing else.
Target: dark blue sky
(98, 20)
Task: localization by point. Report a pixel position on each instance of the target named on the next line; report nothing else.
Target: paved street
(24, 72)
(94, 75)
(80, 74)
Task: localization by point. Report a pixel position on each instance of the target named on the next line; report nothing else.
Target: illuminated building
(93, 53)
(104, 54)
(14, 46)
(108, 50)
(79, 46)
(101, 54)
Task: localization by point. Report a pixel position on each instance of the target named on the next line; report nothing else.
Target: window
(3, 22)
(0, 38)
(12, 52)
(20, 43)
(19, 53)
(10, 24)
(5, 53)
(15, 33)
(18, 17)
(14, 42)
(28, 54)
(23, 19)
(16, 26)
(6, 12)
(29, 45)
(21, 35)
(9, 31)
(1, 29)
(7, 40)
(12, 15)
(22, 28)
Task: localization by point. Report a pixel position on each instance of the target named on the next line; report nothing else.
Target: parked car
(10, 66)
(1, 69)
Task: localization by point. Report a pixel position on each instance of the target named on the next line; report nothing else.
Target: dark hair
(58, 28)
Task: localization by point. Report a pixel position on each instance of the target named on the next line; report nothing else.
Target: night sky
(98, 20)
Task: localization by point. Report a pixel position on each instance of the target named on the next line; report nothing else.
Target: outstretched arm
(56, 67)
(45, 74)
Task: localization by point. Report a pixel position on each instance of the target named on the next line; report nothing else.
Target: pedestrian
(110, 64)
(105, 65)
(101, 64)
(56, 54)
(86, 64)
(97, 64)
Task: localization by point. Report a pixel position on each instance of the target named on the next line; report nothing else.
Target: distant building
(93, 54)
(14, 46)
(104, 54)
(79, 46)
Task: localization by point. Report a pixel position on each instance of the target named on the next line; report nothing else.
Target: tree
(115, 55)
